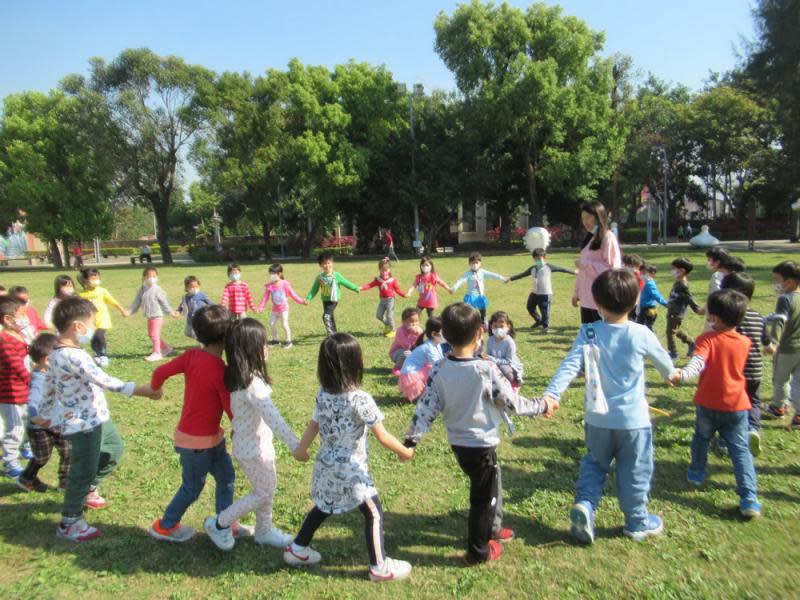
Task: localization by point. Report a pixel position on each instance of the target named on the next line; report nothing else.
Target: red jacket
(388, 287)
(14, 377)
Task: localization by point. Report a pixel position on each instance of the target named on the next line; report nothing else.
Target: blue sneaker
(582, 522)
(13, 471)
(26, 454)
(654, 526)
(695, 478)
(673, 355)
(750, 509)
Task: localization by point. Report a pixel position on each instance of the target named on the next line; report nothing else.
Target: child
(752, 327)
(405, 337)
(715, 256)
(425, 283)
(679, 299)
(541, 295)
(64, 287)
(85, 422)
(279, 289)
(387, 289)
(417, 366)
(43, 420)
(199, 440)
(193, 300)
(154, 303)
(327, 283)
(236, 296)
(634, 264)
(502, 349)
(620, 431)
(14, 381)
(784, 336)
(255, 421)
(35, 323)
(102, 299)
(721, 397)
(649, 298)
(341, 479)
(471, 394)
(476, 286)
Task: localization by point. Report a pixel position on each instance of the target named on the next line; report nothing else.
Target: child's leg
(480, 465)
(261, 473)
(429, 311)
(794, 385)
(497, 523)
(111, 449)
(314, 519)
(398, 357)
(673, 324)
(273, 325)
(99, 344)
(65, 461)
(42, 447)
(733, 429)
(389, 314)
(634, 458)
(224, 477)
(85, 447)
(373, 529)
(782, 368)
(287, 332)
(754, 415)
(380, 312)
(532, 306)
(327, 317)
(544, 308)
(595, 465)
(483, 315)
(13, 416)
(195, 466)
(154, 332)
(705, 426)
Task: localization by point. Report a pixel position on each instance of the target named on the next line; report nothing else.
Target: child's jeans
(195, 467)
(786, 380)
(480, 465)
(154, 327)
(754, 416)
(539, 308)
(13, 417)
(732, 427)
(632, 451)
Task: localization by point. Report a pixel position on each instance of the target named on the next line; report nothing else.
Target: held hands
(176, 314)
(125, 313)
(300, 454)
(148, 392)
(405, 454)
(507, 280)
(675, 378)
(575, 301)
(770, 350)
(552, 406)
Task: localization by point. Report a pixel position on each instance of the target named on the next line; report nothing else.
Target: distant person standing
(146, 254)
(77, 252)
(389, 241)
(681, 232)
(688, 230)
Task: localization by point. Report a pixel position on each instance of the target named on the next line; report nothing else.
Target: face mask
(674, 274)
(385, 275)
(500, 332)
(778, 288)
(95, 283)
(192, 291)
(426, 269)
(152, 280)
(85, 338)
(22, 323)
(710, 266)
(274, 277)
(235, 276)
(68, 291)
(474, 267)
(539, 262)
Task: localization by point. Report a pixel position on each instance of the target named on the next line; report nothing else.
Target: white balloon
(537, 237)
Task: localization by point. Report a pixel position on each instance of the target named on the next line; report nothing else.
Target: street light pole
(665, 166)
(415, 90)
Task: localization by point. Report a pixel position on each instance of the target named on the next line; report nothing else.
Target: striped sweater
(14, 377)
(752, 327)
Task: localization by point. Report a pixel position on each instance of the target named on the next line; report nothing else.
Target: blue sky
(42, 40)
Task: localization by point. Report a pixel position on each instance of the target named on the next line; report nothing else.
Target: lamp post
(217, 220)
(665, 166)
(417, 91)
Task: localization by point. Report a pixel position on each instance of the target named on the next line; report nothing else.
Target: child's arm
(183, 306)
(292, 294)
(346, 283)
(557, 269)
(777, 321)
(314, 289)
(85, 368)
(137, 301)
(459, 282)
(656, 293)
(429, 406)
(226, 296)
(388, 441)
(526, 273)
(695, 367)
(692, 304)
(568, 370)
(301, 452)
(370, 285)
(170, 369)
(265, 298)
(491, 275)
(397, 290)
(272, 417)
(504, 397)
(163, 302)
(660, 357)
(111, 301)
(248, 298)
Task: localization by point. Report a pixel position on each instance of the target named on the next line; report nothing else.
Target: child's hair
(717, 253)
(17, 291)
(244, 352)
(211, 324)
(2, 289)
(87, 274)
(324, 257)
(384, 264)
(788, 269)
(189, 280)
(340, 366)
(8, 307)
(732, 264)
(741, 282)
(59, 282)
(501, 314)
(460, 323)
(474, 257)
(433, 325)
(616, 291)
(42, 346)
(408, 313)
(632, 260)
(683, 263)
(426, 260)
(70, 310)
(650, 269)
(729, 306)
(276, 269)
(147, 270)
(539, 253)
(233, 267)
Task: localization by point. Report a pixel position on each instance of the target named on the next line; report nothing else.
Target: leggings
(373, 528)
(99, 345)
(261, 473)
(284, 319)
(154, 327)
(327, 316)
(427, 310)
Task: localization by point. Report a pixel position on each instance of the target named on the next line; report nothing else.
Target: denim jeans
(733, 428)
(195, 466)
(632, 450)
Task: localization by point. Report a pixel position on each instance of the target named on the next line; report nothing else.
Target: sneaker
(168, 351)
(40, 486)
(94, 500)
(274, 343)
(774, 412)
(222, 538)
(390, 334)
(754, 441)
(296, 556)
(796, 422)
(391, 569)
(503, 535)
(673, 355)
(24, 484)
(287, 345)
(750, 509)
(154, 357)
(240, 530)
(79, 531)
(495, 553)
(12, 470)
(275, 537)
(690, 349)
(179, 533)
(581, 519)
(695, 478)
(545, 330)
(654, 526)
(26, 454)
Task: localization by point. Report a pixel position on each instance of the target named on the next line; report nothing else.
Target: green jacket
(328, 287)
(784, 323)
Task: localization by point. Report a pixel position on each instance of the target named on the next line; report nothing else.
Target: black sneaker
(40, 486)
(274, 343)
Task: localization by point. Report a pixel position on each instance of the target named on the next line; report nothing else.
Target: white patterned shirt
(255, 420)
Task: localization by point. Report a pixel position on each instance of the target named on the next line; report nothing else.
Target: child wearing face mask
(501, 349)
(64, 287)
(154, 303)
(35, 323)
(388, 287)
(425, 283)
(193, 300)
(476, 286)
(236, 296)
(417, 366)
(279, 290)
(101, 298)
(541, 296)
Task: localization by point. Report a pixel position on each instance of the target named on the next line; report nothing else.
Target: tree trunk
(505, 223)
(65, 249)
(534, 205)
(266, 233)
(55, 254)
(161, 210)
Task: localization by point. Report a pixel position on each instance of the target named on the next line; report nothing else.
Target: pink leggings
(154, 332)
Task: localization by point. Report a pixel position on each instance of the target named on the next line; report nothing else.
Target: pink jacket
(404, 339)
(280, 291)
(594, 262)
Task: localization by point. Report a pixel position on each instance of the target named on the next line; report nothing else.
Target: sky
(680, 41)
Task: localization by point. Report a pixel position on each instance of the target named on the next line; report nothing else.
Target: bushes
(517, 233)
(335, 250)
(333, 241)
(243, 253)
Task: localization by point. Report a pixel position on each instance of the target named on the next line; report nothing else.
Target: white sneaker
(101, 361)
(298, 556)
(222, 538)
(241, 530)
(155, 356)
(390, 570)
(275, 537)
(79, 531)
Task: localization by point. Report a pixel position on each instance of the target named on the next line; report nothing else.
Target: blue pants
(632, 450)
(195, 466)
(733, 428)
(539, 308)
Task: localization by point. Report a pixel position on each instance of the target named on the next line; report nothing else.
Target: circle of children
(52, 393)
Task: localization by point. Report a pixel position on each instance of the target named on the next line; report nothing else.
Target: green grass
(707, 550)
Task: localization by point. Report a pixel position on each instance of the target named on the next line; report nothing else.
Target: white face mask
(152, 280)
(192, 291)
(86, 338)
(95, 283)
(500, 332)
(778, 288)
(426, 269)
(273, 277)
(674, 274)
(235, 276)
(67, 291)
(22, 323)
(710, 266)
(475, 266)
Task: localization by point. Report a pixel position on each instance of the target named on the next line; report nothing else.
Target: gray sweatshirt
(153, 302)
(504, 352)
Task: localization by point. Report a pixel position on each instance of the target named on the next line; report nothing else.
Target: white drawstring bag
(594, 399)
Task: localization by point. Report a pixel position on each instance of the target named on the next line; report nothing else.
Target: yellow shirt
(101, 298)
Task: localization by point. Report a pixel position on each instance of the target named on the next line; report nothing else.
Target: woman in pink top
(280, 291)
(599, 253)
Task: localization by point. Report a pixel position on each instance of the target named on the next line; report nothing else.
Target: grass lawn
(707, 550)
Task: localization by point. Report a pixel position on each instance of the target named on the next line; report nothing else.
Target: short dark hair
(539, 253)
(42, 346)
(211, 324)
(149, 269)
(59, 282)
(632, 260)
(70, 310)
(717, 253)
(788, 269)
(729, 306)
(323, 257)
(83, 278)
(741, 282)
(189, 280)
(408, 313)
(649, 268)
(683, 263)
(474, 257)
(18, 290)
(340, 365)
(460, 323)
(733, 264)
(616, 291)
(8, 307)
(432, 325)
(276, 268)
(244, 352)
(233, 266)
(501, 314)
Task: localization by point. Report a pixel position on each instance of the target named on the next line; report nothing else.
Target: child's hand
(176, 315)
(701, 310)
(305, 302)
(770, 350)
(43, 423)
(552, 406)
(675, 378)
(507, 280)
(575, 301)
(406, 454)
(126, 313)
(300, 454)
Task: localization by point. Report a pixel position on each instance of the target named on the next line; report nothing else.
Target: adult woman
(599, 253)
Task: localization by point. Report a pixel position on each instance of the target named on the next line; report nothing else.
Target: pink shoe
(94, 500)
(396, 372)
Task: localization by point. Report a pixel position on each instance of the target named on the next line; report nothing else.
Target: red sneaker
(495, 552)
(503, 535)
(94, 500)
